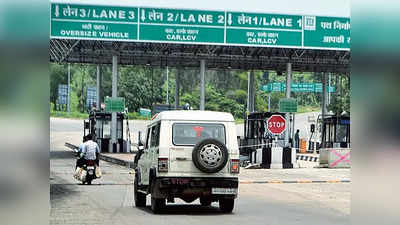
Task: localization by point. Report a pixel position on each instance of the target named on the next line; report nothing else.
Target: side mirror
(312, 128)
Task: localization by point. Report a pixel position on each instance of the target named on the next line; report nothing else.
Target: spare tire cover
(210, 155)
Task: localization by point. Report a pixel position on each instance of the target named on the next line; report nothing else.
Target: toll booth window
(192, 133)
(106, 129)
(341, 133)
(329, 135)
(99, 128)
(119, 129)
(155, 136)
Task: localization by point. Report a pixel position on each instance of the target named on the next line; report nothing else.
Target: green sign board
(296, 87)
(198, 27)
(287, 105)
(114, 104)
(145, 112)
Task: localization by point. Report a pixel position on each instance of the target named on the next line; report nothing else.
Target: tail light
(162, 164)
(235, 165)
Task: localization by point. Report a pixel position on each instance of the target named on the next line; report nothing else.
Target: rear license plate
(224, 191)
(90, 172)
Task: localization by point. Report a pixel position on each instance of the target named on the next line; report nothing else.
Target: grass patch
(137, 116)
(75, 115)
(306, 109)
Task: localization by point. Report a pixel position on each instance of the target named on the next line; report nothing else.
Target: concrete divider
(335, 157)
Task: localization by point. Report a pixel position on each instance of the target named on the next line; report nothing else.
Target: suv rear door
(184, 137)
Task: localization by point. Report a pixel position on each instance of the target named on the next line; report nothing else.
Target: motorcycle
(90, 168)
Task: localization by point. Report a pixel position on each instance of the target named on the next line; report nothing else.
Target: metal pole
(288, 84)
(114, 95)
(329, 86)
(98, 101)
(69, 88)
(167, 87)
(323, 95)
(177, 77)
(202, 84)
(293, 131)
(250, 91)
(269, 102)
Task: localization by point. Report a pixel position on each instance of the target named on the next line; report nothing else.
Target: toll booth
(99, 125)
(335, 132)
(335, 151)
(256, 134)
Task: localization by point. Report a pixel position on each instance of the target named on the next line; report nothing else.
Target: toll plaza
(115, 34)
(286, 38)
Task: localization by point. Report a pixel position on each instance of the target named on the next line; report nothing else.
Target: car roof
(194, 115)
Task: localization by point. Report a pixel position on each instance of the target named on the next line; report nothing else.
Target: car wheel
(140, 198)
(226, 205)
(157, 204)
(205, 201)
(210, 155)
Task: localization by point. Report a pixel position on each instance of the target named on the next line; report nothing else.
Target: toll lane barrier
(273, 158)
(293, 181)
(307, 158)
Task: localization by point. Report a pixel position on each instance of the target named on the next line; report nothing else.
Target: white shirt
(90, 149)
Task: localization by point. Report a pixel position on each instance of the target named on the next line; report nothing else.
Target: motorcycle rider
(81, 160)
(91, 150)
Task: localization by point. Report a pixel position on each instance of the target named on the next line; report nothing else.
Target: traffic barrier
(274, 158)
(307, 158)
(335, 157)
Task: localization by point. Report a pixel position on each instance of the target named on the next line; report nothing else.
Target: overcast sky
(340, 8)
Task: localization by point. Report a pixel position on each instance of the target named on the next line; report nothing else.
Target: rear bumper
(192, 186)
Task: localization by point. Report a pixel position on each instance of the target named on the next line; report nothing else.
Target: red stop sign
(276, 124)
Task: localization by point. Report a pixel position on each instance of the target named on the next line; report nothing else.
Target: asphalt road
(110, 199)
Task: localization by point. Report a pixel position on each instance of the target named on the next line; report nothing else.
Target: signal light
(235, 164)
(162, 164)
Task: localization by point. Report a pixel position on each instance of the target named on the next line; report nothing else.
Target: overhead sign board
(62, 94)
(296, 87)
(114, 104)
(288, 105)
(91, 97)
(198, 27)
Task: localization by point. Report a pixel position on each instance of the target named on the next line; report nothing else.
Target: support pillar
(288, 86)
(69, 89)
(98, 99)
(324, 95)
(113, 143)
(177, 78)
(167, 87)
(250, 91)
(202, 84)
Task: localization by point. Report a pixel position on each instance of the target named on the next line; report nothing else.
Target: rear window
(192, 133)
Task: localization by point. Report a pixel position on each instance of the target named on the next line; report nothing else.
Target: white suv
(189, 155)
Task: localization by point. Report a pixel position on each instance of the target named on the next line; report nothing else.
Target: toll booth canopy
(99, 125)
(256, 134)
(335, 132)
